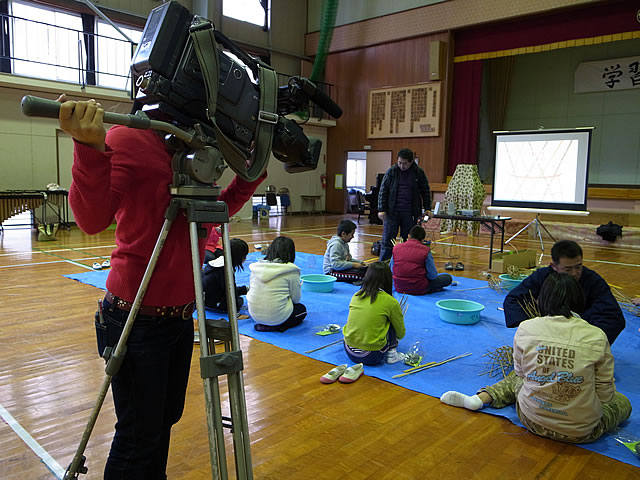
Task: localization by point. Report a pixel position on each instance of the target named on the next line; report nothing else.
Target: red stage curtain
(465, 109)
(566, 24)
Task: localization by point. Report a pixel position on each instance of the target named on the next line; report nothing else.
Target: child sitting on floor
(562, 383)
(375, 321)
(338, 261)
(414, 271)
(274, 293)
(213, 280)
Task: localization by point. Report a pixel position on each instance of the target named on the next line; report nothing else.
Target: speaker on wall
(437, 55)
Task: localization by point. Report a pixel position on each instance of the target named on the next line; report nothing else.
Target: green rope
(327, 24)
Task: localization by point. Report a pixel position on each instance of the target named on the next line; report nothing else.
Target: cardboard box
(523, 259)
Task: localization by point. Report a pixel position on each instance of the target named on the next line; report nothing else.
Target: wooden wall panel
(354, 73)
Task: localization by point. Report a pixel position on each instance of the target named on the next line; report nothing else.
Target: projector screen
(542, 169)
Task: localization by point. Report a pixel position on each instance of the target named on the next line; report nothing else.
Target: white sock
(458, 399)
(393, 356)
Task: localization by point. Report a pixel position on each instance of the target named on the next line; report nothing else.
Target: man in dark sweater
(404, 194)
(601, 307)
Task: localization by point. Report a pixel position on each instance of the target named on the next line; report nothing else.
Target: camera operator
(124, 174)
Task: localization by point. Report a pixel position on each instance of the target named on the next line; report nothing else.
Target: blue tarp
(439, 340)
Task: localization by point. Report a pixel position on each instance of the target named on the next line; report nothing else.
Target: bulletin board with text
(408, 111)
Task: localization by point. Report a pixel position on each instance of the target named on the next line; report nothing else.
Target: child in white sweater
(274, 289)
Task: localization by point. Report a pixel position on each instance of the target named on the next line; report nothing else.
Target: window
(113, 54)
(57, 45)
(51, 52)
(252, 11)
(356, 173)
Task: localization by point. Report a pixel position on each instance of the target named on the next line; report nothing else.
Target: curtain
(465, 109)
(497, 73)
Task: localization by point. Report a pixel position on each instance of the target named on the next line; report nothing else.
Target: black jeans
(298, 314)
(148, 391)
(393, 222)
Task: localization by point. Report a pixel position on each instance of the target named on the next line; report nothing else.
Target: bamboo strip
(474, 288)
(325, 346)
(427, 366)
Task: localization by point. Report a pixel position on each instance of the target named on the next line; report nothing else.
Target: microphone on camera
(320, 98)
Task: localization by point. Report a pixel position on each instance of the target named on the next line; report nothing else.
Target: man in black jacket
(601, 308)
(404, 194)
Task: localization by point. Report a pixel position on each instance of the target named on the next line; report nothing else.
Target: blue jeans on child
(148, 391)
(373, 357)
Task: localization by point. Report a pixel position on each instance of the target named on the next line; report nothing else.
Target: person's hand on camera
(83, 121)
(382, 215)
(359, 265)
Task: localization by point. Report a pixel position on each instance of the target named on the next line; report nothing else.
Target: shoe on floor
(357, 283)
(333, 374)
(394, 356)
(448, 266)
(96, 266)
(352, 374)
(459, 266)
(106, 264)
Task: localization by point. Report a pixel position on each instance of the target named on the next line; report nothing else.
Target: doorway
(364, 172)
(363, 168)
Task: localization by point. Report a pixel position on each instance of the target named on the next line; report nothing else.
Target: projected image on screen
(542, 169)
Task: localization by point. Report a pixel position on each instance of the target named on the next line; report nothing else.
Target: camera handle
(46, 108)
(212, 365)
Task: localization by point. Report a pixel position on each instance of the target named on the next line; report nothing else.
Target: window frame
(75, 65)
(265, 8)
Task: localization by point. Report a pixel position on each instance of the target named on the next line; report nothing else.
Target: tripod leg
(116, 358)
(520, 231)
(235, 382)
(545, 229)
(211, 387)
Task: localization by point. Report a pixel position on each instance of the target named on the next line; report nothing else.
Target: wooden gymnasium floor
(300, 428)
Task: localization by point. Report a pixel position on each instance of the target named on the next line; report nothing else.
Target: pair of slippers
(449, 266)
(343, 374)
(100, 266)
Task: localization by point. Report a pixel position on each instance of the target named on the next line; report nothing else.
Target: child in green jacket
(375, 320)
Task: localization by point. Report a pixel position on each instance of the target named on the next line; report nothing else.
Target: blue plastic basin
(507, 282)
(462, 312)
(318, 283)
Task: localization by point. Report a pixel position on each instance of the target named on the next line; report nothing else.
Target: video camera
(180, 79)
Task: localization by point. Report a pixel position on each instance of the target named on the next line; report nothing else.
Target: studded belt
(180, 311)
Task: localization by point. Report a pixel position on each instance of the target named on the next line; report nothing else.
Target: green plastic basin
(318, 283)
(462, 312)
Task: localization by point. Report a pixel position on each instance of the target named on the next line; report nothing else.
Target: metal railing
(71, 54)
(314, 110)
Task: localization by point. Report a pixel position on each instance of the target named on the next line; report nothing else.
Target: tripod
(536, 221)
(200, 206)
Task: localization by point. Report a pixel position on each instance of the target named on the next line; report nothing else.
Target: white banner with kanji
(608, 75)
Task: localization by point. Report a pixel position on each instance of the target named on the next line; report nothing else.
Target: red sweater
(130, 183)
(233, 205)
(409, 267)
